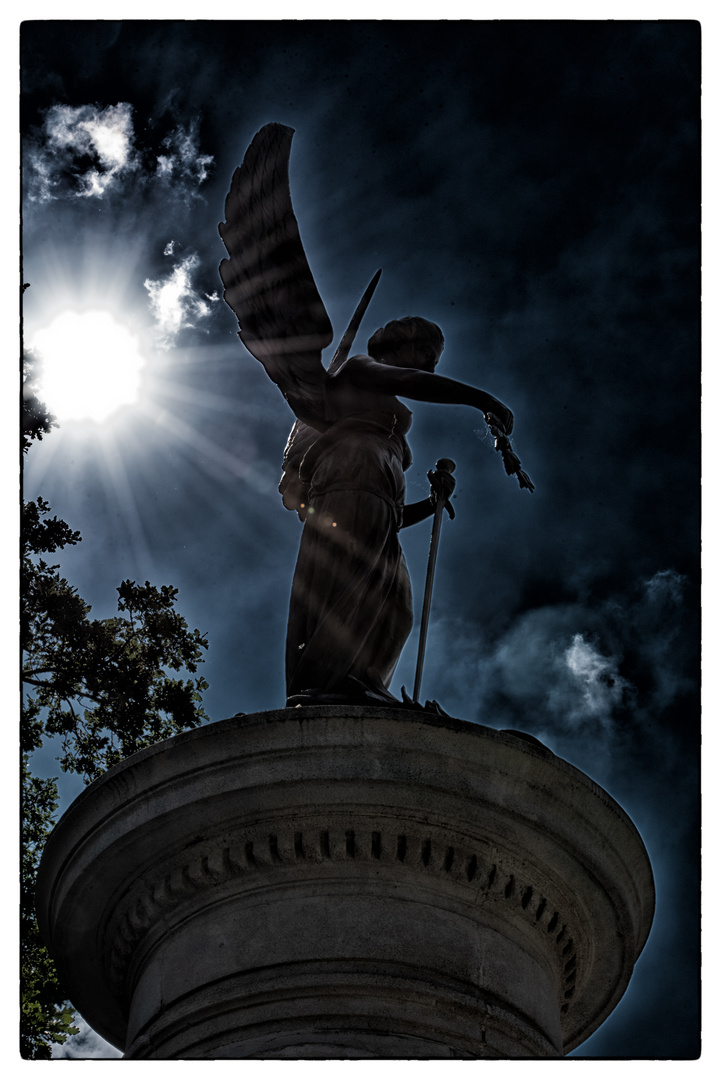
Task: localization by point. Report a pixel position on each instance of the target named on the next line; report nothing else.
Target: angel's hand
(511, 461)
(442, 487)
(500, 416)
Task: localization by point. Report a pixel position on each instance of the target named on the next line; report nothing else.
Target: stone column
(345, 882)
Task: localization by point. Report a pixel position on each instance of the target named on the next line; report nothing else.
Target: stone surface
(339, 882)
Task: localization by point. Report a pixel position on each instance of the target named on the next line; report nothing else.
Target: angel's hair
(413, 329)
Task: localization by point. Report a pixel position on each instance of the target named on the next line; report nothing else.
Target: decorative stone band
(208, 866)
(345, 882)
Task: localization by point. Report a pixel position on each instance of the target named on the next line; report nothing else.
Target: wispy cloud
(587, 673)
(82, 151)
(597, 680)
(181, 163)
(175, 303)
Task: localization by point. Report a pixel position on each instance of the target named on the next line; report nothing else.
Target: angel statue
(344, 463)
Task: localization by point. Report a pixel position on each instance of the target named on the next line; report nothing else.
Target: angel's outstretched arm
(438, 389)
(427, 386)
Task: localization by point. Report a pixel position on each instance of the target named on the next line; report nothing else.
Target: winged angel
(344, 463)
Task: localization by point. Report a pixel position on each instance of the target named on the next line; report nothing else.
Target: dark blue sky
(534, 189)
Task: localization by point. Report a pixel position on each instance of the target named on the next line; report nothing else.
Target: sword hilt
(444, 465)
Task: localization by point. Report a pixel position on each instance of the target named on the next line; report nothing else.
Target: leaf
(105, 687)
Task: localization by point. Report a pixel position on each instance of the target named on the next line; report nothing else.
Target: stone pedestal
(345, 882)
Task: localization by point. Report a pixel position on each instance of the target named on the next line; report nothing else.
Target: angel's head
(409, 342)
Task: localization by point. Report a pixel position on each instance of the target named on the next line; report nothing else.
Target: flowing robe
(351, 607)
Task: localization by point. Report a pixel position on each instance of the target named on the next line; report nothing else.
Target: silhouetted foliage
(37, 418)
(45, 1016)
(100, 689)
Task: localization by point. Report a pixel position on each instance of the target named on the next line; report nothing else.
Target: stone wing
(268, 282)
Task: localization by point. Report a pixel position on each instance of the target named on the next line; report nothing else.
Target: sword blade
(343, 351)
(447, 466)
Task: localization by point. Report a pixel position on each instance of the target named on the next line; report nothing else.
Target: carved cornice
(263, 858)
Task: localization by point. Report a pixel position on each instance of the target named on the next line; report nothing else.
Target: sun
(91, 365)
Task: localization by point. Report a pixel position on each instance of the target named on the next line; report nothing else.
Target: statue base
(345, 882)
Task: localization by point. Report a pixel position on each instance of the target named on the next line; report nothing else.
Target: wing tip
(273, 133)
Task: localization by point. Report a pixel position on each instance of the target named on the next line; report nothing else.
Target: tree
(45, 1016)
(101, 689)
(102, 685)
(37, 419)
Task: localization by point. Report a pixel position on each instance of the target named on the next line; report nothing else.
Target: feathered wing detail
(268, 282)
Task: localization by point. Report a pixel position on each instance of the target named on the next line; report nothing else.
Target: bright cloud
(597, 679)
(83, 151)
(101, 140)
(174, 302)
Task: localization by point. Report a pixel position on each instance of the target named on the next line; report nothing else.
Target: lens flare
(91, 365)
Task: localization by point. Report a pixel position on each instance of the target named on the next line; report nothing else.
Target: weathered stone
(345, 882)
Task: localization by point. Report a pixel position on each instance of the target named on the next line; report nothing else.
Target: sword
(346, 341)
(447, 466)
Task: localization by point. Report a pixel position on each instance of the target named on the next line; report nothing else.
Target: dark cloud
(534, 188)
